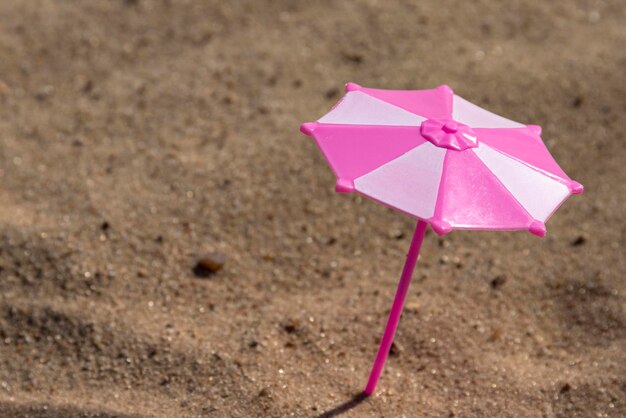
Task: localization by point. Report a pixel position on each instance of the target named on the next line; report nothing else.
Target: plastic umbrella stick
(396, 309)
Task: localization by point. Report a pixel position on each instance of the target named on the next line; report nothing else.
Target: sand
(136, 136)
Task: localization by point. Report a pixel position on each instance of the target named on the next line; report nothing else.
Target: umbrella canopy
(440, 158)
(446, 161)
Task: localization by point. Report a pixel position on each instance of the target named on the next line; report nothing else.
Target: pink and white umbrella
(439, 158)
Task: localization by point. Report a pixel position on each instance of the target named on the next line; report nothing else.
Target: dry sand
(136, 135)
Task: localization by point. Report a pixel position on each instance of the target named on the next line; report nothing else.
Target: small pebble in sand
(396, 234)
(353, 57)
(44, 93)
(498, 281)
(578, 241)
(412, 307)
(332, 93)
(291, 326)
(209, 264)
(395, 349)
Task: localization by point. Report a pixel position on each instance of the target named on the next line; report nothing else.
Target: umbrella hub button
(450, 127)
(447, 133)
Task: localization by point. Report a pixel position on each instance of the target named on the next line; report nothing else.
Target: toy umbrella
(437, 157)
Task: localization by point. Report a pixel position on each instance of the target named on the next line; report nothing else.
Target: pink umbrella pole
(396, 309)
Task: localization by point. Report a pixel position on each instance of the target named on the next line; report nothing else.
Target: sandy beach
(138, 137)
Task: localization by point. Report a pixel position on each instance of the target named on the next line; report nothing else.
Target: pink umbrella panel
(440, 158)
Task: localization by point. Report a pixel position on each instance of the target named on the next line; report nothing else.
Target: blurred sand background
(136, 135)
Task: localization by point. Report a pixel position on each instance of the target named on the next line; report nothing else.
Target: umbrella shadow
(344, 407)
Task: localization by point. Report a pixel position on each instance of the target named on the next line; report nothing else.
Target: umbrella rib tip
(536, 129)
(440, 227)
(537, 228)
(352, 87)
(576, 188)
(307, 128)
(446, 88)
(344, 186)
